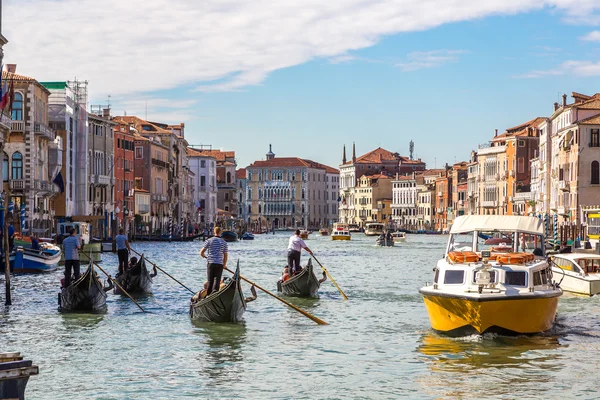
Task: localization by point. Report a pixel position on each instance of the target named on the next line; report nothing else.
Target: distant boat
(229, 236)
(324, 232)
(247, 236)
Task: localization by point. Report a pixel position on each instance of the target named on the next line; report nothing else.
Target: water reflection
(73, 322)
(221, 360)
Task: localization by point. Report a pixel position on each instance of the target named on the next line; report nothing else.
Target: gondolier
(123, 249)
(70, 247)
(295, 246)
(217, 260)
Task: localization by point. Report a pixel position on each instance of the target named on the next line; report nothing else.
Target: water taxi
(577, 272)
(324, 232)
(398, 237)
(354, 228)
(374, 229)
(478, 289)
(340, 232)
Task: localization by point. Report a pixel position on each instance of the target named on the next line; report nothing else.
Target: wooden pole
(8, 297)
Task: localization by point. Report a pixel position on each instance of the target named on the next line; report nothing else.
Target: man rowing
(295, 246)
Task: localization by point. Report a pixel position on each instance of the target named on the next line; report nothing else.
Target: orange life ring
(463, 257)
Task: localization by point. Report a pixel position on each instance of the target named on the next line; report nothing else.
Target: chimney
(564, 100)
(496, 133)
(353, 152)
(555, 106)
(12, 68)
(106, 112)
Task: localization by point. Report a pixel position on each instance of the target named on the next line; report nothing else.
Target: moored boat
(247, 236)
(476, 290)
(27, 260)
(324, 232)
(577, 272)
(86, 294)
(303, 284)
(340, 232)
(135, 280)
(399, 237)
(225, 305)
(229, 236)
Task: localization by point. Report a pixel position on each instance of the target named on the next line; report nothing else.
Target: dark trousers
(71, 265)
(294, 261)
(123, 259)
(213, 273)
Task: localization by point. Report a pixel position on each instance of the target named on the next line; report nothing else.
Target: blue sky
(444, 80)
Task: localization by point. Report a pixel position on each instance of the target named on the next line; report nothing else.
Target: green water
(377, 345)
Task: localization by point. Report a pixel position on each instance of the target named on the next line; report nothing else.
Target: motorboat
(324, 232)
(27, 260)
(247, 236)
(304, 234)
(340, 232)
(398, 237)
(477, 290)
(577, 272)
(229, 236)
(374, 229)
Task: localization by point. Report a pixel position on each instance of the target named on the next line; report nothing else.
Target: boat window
(516, 278)
(436, 276)
(537, 279)
(492, 276)
(564, 264)
(453, 277)
(589, 265)
(530, 244)
(462, 242)
(495, 241)
(544, 276)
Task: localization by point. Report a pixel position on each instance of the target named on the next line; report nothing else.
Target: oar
(330, 277)
(113, 281)
(163, 271)
(301, 311)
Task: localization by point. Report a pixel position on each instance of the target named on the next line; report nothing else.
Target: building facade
(204, 181)
(124, 171)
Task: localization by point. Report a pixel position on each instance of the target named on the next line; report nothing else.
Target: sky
(310, 77)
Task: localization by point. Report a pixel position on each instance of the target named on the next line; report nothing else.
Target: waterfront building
(32, 156)
(442, 198)
(100, 153)
(124, 172)
(374, 162)
(289, 192)
(204, 182)
(404, 201)
(426, 198)
(141, 209)
(240, 177)
(458, 201)
(370, 190)
(473, 184)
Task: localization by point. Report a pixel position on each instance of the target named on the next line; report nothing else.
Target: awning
(470, 223)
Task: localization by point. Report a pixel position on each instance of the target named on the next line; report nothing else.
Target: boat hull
(521, 314)
(303, 284)
(33, 261)
(84, 295)
(385, 243)
(588, 285)
(136, 280)
(340, 237)
(229, 236)
(226, 305)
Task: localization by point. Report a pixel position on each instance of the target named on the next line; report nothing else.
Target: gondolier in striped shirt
(70, 248)
(295, 247)
(216, 248)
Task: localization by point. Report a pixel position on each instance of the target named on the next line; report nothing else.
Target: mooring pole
(8, 297)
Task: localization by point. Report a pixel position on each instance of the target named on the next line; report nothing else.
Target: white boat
(398, 237)
(83, 233)
(27, 260)
(477, 290)
(374, 229)
(340, 232)
(577, 272)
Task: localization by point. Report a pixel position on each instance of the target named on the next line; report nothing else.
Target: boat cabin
(374, 229)
(83, 230)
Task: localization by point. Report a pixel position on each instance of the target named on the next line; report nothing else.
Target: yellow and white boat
(340, 232)
(480, 288)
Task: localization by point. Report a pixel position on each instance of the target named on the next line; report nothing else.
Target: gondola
(85, 294)
(229, 236)
(226, 305)
(303, 284)
(135, 280)
(384, 242)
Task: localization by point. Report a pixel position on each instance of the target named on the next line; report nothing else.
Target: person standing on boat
(123, 249)
(35, 243)
(70, 248)
(216, 258)
(295, 246)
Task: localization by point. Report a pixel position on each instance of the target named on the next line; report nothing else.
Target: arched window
(259, 208)
(228, 177)
(17, 108)
(5, 167)
(595, 173)
(17, 166)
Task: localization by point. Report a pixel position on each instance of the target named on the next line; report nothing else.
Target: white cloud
(142, 46)
(593, 36)
(576, 68)
(429, 59)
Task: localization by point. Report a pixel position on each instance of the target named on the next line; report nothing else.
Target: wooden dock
(14, 374)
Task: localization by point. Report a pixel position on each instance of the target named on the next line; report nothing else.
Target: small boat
(398, 237)
(229, 236)
(577, 272)
(135, 280)
(354, 228)
(225, 305)
(340, 232)
(304, 234)
(476, 291)
(85, 294)
(384, 242)
(27, 260)
(324, 232)
(247, 236)
(303, 284)
(374, 229)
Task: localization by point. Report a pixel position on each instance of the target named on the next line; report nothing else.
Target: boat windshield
(589, 265)
(498, 242)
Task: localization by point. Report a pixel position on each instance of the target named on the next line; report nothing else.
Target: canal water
(377, 345)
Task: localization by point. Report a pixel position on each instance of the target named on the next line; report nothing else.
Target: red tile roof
(379, 155)
(519, 130)
(595, 120)
(240, 173)
(293, 162)
(22, 78)
(376, 176)
(430, 172)
(216, 154)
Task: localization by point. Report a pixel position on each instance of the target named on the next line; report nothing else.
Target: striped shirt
(215, 249)
(120, 241)
(70, 248)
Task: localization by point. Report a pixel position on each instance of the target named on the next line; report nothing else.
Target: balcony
(523, 196)
(17, 126)
(160, 163)
(159, 198)
(489, 203)
(5, 120)
(102, 180)
(18, 184)
(44, 131)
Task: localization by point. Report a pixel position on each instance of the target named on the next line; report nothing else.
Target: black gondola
(229, 236)
(303, 284)
(226, 305)
(85, 294)
(135, 280)
(385, 242)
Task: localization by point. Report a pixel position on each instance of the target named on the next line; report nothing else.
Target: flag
(5, 94)
(58, 181)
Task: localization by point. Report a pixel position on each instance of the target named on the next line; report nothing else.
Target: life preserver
(515, 258)
(461, 257)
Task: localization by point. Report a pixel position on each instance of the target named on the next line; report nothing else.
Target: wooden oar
(163, 271)
(301, 311)
(113, 281)
(330, 277)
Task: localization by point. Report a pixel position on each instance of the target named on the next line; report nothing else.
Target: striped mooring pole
(555, 227)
